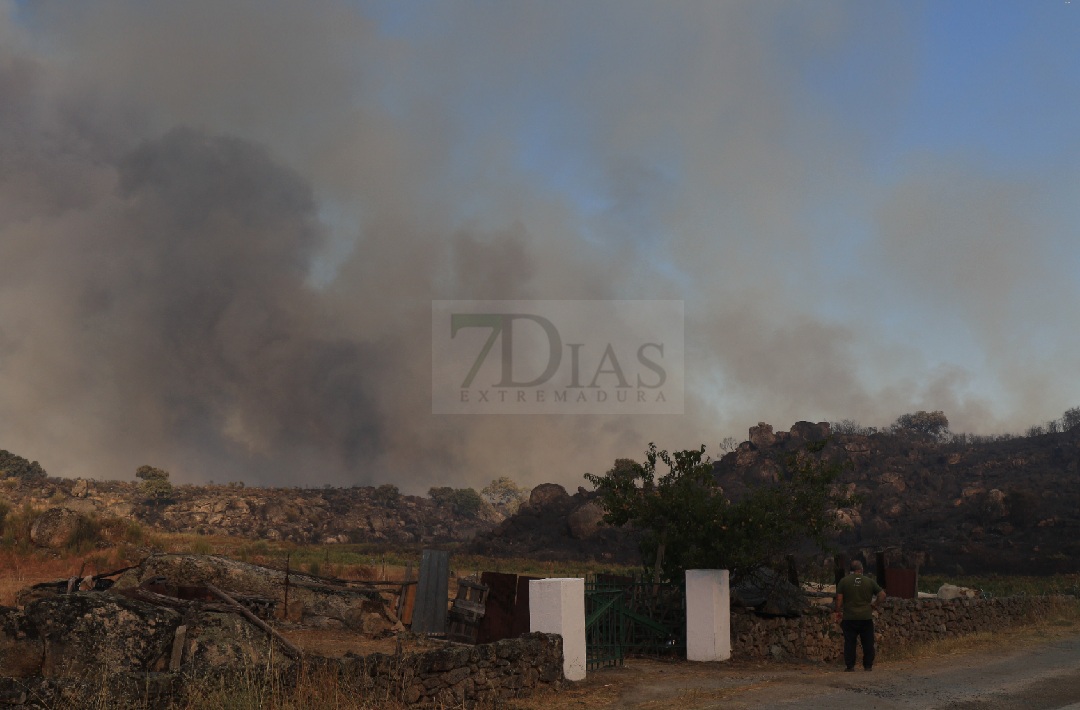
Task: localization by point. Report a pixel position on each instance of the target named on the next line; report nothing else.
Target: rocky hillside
(1006, 506)
(554, 525)
(302, 515)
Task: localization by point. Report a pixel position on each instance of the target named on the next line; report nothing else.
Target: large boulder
(769, 593)
(762, 435)
(87, 633)
(810, 432)
(951, 591)
(54, 528)
(81, 488)
(586, 520)
(547, 493)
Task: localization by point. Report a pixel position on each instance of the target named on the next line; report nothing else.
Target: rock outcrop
(555, 525)
(300, 515)
(994, 506)
(54, 528)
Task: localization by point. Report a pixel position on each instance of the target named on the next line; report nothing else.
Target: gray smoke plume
(222, 226)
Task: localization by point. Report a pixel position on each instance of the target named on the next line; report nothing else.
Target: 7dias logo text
(566, 357)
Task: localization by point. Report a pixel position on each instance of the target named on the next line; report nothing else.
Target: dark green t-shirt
(858, 590)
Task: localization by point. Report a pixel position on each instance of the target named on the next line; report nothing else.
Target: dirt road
(1031, 675)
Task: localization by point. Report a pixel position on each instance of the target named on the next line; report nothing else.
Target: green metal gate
(627, 616)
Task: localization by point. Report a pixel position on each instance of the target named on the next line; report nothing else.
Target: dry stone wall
(816, 636)
(461, 676)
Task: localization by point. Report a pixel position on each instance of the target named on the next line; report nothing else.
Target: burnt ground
(1029, 670)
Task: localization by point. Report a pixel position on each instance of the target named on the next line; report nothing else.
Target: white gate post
(557, 606)
(708, 615)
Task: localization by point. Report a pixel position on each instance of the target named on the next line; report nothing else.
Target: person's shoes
(868, 668)
(849, 669)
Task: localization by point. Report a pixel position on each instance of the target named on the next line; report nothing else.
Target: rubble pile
(168, 628)
(144, 629)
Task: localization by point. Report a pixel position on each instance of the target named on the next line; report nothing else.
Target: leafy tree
(850, 427)
(934, 424)
(1070, 418)
(155, 486)
(387, 494)
(15, 465)
(505, 495)
(687, 522)
(465, 502)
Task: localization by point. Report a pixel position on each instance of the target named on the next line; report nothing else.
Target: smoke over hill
(222, 226)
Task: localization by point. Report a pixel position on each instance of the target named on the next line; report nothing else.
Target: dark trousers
(854, 631)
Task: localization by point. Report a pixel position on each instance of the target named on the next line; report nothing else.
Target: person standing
(855, 597)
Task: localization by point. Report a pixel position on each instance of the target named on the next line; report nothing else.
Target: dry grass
(19, 569)
(318, 689)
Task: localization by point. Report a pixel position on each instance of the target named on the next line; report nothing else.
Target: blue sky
(868, 208)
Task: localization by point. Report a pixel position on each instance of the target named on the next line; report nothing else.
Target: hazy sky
(222, 223)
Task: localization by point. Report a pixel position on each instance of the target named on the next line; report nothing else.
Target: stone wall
(816, 636)
(461, 676)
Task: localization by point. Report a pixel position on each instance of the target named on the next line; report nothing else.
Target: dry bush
(315, 689)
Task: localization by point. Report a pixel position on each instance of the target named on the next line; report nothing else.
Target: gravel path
(1031, 676)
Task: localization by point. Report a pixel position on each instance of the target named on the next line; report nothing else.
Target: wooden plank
(408, 603)
(177, 656)
(432, 593)
(290, 650)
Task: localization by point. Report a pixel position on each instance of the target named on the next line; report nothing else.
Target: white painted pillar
(708, 615)
(557, 606)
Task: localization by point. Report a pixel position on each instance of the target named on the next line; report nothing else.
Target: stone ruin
(146, 627)
(165, 630)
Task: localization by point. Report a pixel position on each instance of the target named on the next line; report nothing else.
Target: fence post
(708, 615)
(557, 606)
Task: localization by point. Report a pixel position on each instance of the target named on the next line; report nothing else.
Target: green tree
(465, 502)
(934, 424)
(387, 494)
(687, 522)
(1070, 418)
(155, 486)
(504, 495)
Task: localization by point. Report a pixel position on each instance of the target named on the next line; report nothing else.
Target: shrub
(156, 486)
(17, 466)
(86, 535)
(934, 424)
(387, 494)
(504, 494)
(465, 502)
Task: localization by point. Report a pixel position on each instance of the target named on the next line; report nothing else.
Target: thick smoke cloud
(222, 225)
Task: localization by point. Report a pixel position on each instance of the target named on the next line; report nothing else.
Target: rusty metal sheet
(903, 583)
(498, 621)
(521, 623)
